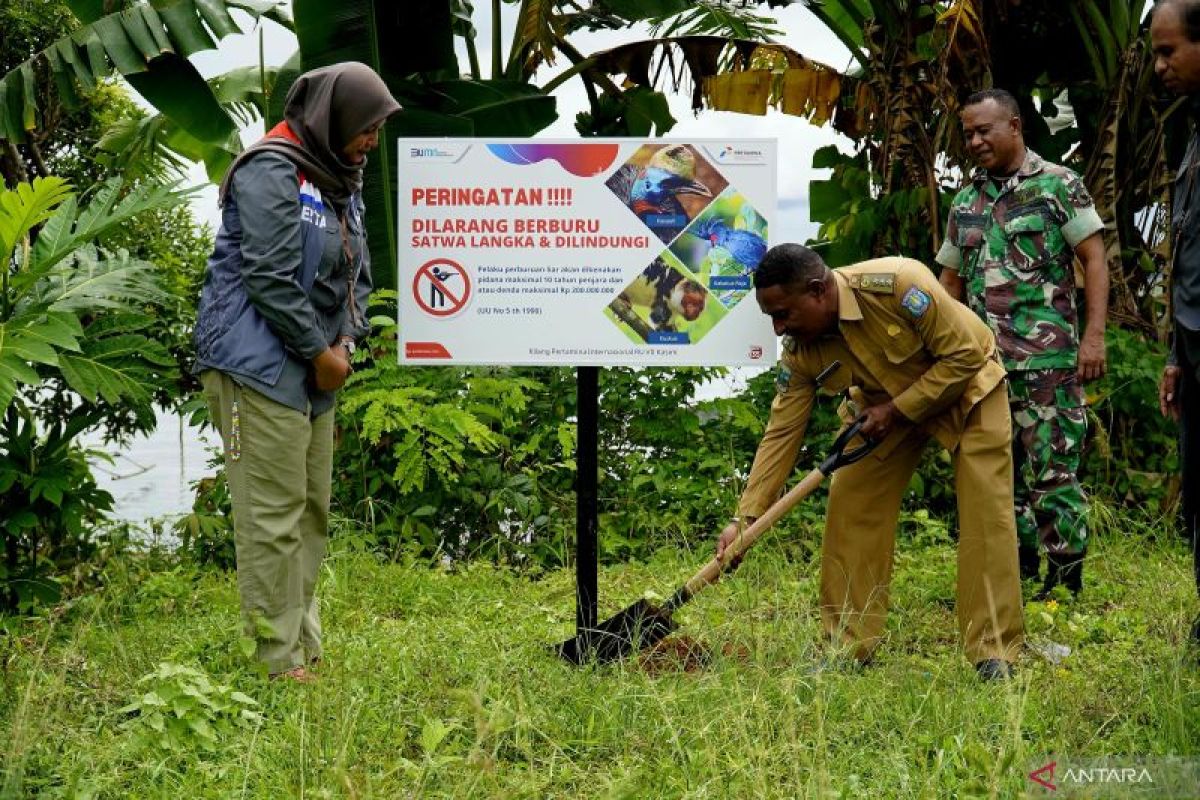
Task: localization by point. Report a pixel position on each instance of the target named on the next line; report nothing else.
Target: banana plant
(149, 43)
(154, 146)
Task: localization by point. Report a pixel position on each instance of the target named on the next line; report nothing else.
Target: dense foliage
(95, 311)
(480, 462)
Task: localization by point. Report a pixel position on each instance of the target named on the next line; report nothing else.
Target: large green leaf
(107, 209)
(240, 92)
(14, 370)
(495, 108)
(108, 370)
(93, 279)
(397, 39)
(284, 79)
(155, 146)
(846, 19)
(635, 10)
(826, 200)
(149, 44)
(26, 340)
(647, 112)
(26, 206)
(177, 89)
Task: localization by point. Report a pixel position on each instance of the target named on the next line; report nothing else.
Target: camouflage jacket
(1013, 245)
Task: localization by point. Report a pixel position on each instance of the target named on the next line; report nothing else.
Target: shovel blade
(639, 626)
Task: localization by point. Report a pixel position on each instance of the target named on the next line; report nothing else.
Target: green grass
(439, 684)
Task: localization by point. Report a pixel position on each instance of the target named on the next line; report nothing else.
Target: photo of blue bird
(724, 245)
(746, 247)
(664, 191)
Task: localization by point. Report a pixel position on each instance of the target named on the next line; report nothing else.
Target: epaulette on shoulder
(877, 282)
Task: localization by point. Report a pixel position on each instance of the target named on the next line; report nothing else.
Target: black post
(587, 397)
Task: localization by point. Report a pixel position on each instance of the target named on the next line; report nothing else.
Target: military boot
(1065, 569)
(1031, 564)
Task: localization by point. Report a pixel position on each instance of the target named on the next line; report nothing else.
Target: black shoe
(1031, 563)
(1064, 569)
(994, 669)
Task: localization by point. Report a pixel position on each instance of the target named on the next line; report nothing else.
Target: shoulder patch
(915, 302)
(877, 282)
(783, 378)
(789, 344)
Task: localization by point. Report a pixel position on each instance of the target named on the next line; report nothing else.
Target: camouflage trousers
(1049, 424)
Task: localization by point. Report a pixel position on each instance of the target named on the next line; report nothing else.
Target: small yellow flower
(1051, 605)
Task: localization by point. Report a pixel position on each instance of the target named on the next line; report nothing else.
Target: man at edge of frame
(1175, 37)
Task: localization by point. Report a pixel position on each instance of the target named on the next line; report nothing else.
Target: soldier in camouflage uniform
(1011, 240)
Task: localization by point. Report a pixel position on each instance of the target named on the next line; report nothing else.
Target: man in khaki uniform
(920, 365)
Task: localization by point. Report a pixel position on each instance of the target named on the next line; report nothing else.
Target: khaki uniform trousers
(279, 464)
(860, 536)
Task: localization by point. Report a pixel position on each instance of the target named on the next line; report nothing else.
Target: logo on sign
(449, 153)
(733, 154)
(756, 351)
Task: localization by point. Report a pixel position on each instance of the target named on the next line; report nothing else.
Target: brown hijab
(324, 110)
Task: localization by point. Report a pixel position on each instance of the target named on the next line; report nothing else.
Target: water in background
(153, 477)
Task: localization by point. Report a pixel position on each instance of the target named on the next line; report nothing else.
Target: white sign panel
(584, 252)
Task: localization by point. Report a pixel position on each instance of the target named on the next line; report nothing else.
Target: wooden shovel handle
(713, 569)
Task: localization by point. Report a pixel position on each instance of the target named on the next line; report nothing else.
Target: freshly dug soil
(675, 654)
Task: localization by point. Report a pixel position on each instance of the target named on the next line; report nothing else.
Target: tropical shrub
(73, 355)
(1132, 458)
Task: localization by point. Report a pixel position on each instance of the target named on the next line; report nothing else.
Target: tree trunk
(12, 165)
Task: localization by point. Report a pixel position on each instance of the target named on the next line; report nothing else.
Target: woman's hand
(331, 368)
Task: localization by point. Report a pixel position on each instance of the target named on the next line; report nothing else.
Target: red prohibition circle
(427, 276)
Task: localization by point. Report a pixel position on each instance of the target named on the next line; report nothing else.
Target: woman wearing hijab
(280, 314)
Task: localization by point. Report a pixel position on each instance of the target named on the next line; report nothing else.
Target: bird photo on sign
(666, 186)
(723, 246)
(665, 304)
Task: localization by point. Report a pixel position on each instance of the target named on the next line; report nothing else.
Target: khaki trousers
(279, 465)
(860, 536)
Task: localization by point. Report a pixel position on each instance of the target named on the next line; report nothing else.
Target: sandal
(297, 674)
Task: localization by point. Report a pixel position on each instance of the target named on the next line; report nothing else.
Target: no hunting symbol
(441, 287)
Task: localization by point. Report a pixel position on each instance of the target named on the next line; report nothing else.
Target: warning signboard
(584, 252)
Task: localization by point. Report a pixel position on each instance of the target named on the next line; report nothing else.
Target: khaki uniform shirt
(900, 337)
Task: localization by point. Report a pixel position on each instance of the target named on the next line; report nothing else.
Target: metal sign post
(587, 397)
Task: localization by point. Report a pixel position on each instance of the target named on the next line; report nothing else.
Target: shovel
(644, 624)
